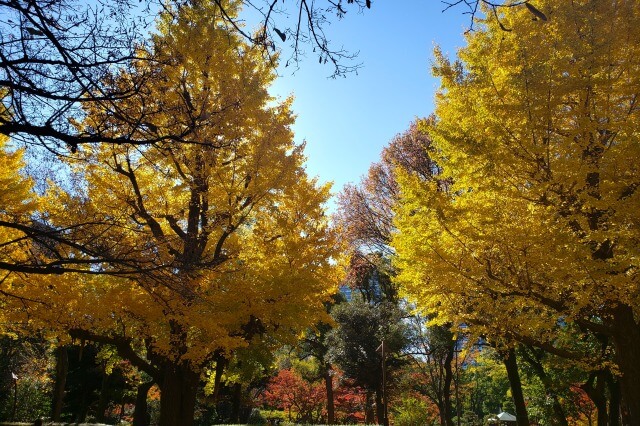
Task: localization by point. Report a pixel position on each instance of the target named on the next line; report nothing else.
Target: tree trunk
(597, 396)
(446, 410)
(328, 381)
(217, 380)
(626, 339)
(510, 363)
(614, 400)
(558, 412)
(14, 410)
(103, 401)
(379, 406)
(140, 412)
(369, 413)
(178, 390)
(236, 403)
(534, 359)
(81, 415)
(62, 368)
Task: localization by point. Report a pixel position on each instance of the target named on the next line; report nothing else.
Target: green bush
(412, 412)
(256, 418)
(33, 401)
(275, 415)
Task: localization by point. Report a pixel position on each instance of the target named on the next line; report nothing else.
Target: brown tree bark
(369, 413)
(221, 363)
(328, 381)
(446, 410)
(511, 364)
(597, 395)
(379, 406)
(614, 400)
(626, 338)
(103, 401)
(140, 412)
(62, 368)
(178, 390)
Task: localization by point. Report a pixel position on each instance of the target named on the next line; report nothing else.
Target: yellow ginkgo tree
(193, 249)
(536, 229)
(17, 202)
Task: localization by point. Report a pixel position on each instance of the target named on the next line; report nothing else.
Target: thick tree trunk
(328, 381)
(614, 400)
(140, 412)
(81, 415)
(62, 368)
(236, 403)
(510, 363)
(626, 339)
(178, 390)
(103, 400)
(597, 395)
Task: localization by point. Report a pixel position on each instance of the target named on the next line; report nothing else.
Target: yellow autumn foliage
(211, 238)
(537, 133)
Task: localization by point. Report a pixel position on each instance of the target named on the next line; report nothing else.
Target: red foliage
(584, 407)
(303, 401)
(350, 402)
(306, 402)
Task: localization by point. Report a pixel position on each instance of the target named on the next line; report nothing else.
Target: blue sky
(347, 121)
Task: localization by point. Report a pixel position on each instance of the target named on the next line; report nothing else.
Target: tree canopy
(199, 248)
(536, 133)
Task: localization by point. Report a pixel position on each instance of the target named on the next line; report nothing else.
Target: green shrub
(275, 415)
(412, 412)
(256, 418)
(33, 401)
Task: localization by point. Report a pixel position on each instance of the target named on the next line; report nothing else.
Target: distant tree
(484, 385)
(365, 211)
(24, 377)
(350, 400)
(314, 344)
(366, 217)
(412, 411)
(583, 405)
(361, 328)
(431, 353)
(555, 379)
(302, 400)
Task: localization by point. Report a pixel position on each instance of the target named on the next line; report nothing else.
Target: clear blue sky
(347, 121)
